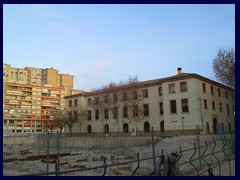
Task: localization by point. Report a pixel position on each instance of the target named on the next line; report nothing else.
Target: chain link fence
(49, 154)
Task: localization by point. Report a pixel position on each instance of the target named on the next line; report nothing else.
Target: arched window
(106, 129)
(89, 129)
(125, 128)
(146, 127)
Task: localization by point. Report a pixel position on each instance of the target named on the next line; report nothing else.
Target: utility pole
(201, 113)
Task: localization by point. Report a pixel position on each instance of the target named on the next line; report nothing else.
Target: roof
(150, 83)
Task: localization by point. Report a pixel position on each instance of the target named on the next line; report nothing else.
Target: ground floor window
(207, 128)
(125, 128)
(106, 129)
(162, 126)
(146, 127)
(229, 127)
(89, 129)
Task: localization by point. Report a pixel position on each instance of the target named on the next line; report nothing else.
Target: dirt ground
(27, 154)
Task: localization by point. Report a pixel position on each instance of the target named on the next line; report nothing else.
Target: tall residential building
(33, 97)
(172, 105)
(27, 108)
(14, 75)
(36, 76)
(66, 80)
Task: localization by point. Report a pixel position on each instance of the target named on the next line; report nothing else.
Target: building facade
(33, 97)
(27, 108)
(172, 105)
(36, 76)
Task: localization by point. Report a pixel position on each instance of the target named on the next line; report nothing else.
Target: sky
(104, 43)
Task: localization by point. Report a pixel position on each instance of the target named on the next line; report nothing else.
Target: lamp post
(182, 125)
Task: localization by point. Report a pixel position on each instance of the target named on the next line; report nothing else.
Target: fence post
(47, 162)
(198, 145)
(58, 153)
(153, 149)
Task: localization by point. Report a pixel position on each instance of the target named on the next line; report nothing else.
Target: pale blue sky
(103, 43)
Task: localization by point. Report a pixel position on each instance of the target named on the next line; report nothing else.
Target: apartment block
(173, 105)
(14, 75)
(36, 76)
(28, 107)
(33, 97)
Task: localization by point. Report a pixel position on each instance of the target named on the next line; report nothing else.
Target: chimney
(179, 70)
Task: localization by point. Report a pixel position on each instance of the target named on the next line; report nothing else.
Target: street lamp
(182, 125)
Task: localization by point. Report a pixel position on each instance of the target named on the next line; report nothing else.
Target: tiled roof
(151, 83)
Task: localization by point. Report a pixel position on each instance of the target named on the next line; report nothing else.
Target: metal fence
(51, 155)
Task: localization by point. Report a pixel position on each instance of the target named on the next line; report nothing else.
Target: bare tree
(224, 66)
(100, 106)
(71, 119)
(135, 107)
(50, 125)
(61, 120)
(125, 95)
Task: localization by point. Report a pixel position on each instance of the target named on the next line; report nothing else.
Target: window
(161, 108)
(115, 98)
(227, 109)
(135, 111)
(229, 127)
(145, 93)
(96, 100)
(89, 129)
(106, 129)
(134, 95)
(213, 105)
(160, 91)
(89, 101)
(226, 94)
(145, 110)
(146, 127)
(219, 92)
(11, 121)
(173, 106)
(125, 96)
(96, 114)
(172, 88)
(184, 105)
(70, 103)
(205, 103)
(220, 106)
(212, 91)
(75, 102)
(183, 86)
(75, 115)
(115, 112)
(125, 112)
(204, 87)
(89, 114)
(234, 110)
(106, 113)
(70, 115)
(125, 128)
(106, 99)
